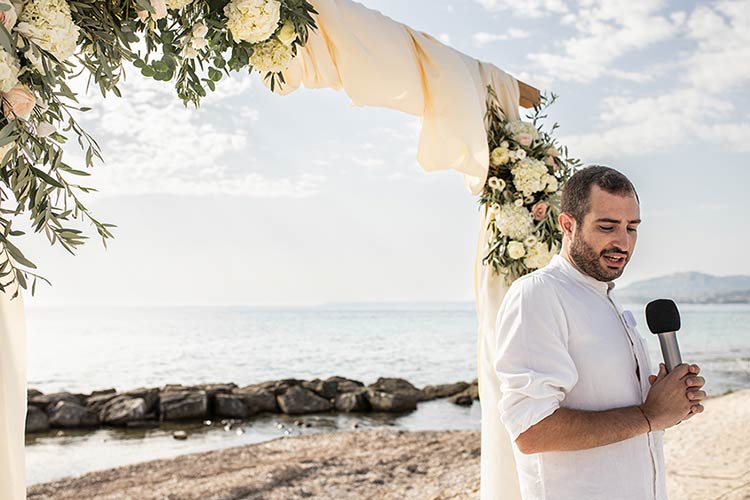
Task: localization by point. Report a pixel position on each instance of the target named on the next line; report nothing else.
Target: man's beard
(589, 260)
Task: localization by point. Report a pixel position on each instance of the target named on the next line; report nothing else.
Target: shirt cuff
(518, 413)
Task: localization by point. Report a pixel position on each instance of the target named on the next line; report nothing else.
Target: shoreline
(706, 457)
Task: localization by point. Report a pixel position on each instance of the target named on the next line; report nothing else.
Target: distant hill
(690, 287)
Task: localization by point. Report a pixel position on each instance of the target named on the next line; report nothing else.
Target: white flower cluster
(196, 41)
(514, 222)
(48, 23)
(530, 176)
(537, 255)
(275, 54)
(8, 71)
(522, 132)
(252, 20)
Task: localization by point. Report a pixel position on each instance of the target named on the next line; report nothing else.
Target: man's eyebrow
(615, 221)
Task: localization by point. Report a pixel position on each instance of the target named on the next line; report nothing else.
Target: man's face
(603, 245)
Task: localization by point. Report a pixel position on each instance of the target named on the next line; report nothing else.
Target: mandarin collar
(571, 271)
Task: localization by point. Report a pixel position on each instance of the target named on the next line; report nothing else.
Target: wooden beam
(530, 96)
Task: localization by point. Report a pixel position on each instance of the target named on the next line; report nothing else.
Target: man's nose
(622, 240)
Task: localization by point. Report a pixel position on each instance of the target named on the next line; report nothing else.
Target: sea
(81, 349)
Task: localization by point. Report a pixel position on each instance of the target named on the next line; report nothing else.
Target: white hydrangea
(252, 20)
(271, 56)
(516, 250)
(514, 222)
(517, 128)
(552, 184)
(8, 71)
(48, 23)
(177, 4)
(538, 255)
(529, 176)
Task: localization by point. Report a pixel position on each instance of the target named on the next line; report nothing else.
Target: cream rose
(200, 30)
(499, 156)
(524, 139)
(516, 250)
(552, 184)
(18, 102)
(287, 35)
(160, 11)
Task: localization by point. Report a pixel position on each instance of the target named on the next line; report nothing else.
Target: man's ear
(567, 224)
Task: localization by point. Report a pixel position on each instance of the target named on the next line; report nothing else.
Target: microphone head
(662, 316)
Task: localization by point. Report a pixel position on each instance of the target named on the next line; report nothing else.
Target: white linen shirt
(564, 341)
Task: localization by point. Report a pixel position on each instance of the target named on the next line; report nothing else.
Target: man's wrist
(648, 420)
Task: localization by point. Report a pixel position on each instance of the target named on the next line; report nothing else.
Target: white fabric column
(380, 62)
(12, 396)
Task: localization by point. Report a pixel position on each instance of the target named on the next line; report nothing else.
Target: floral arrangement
(522, 193)
(45, 43)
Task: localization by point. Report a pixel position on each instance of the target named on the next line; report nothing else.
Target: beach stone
(103, 391)
(462, 399)
(297, 400)
(396, 386)
(324, 388)
(150, 396)
(36, 420)
(183, 404)
(353, 401)
(68, 414)
(123, 409)
(212, 390)
(391, 401)
(230, 405)
(181, 435)
(31, 393)
(430, 392)
(97, 401)
(47, 401)
(259, 400)
(345, 384)
(279, 387)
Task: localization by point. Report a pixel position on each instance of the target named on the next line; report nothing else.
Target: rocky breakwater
(150, 406)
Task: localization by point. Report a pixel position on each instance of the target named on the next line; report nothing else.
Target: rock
(353, 401)
(68, 414)
(230, 405)
(430, 392)
(103, 392)
(212, 390)
(396, 385)
(391, 402)
(181, 435)
(150, 397)
(279, 387)
(462, 398)
(97, 401)
(324, 388)
(183, 404)
(47, 401)
(297, 400)
(36, 420)
(123, 409)
(345, 384)
(32, 393)
(259, 400)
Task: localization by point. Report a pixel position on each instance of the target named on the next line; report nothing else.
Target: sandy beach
(708, 458)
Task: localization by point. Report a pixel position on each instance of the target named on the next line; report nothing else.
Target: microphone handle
(670, 350)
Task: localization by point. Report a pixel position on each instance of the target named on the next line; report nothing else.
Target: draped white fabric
(12, 396)
(379, 62)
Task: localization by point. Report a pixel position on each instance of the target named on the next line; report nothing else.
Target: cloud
(481, 39)
(153, 144)
(527, 8)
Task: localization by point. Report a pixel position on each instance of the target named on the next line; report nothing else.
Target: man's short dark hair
(576, 193)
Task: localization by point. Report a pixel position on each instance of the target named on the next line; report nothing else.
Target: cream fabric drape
(380, 62)
(12, 396)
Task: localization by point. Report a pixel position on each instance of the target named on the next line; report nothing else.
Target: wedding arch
(469, 123)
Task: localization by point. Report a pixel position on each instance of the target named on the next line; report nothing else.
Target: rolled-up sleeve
(531, 359)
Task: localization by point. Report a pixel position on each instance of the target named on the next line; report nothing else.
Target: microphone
(663, 320)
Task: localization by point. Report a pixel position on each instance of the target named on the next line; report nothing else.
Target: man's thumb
(651, 379)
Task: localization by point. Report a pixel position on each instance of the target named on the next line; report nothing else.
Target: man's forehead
(610, 207)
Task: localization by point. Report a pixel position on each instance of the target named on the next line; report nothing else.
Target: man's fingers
(696, 395)
(651, 379)
(694, 369)
(694, 381)
(680, 370)
(697, 409)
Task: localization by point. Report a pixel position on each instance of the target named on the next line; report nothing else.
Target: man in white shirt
(585, 416)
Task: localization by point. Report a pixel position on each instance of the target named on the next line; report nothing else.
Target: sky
(260, 199)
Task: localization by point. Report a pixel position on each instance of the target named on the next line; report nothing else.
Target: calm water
(84, 349)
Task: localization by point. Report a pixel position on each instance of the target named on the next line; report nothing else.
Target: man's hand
(674, 396)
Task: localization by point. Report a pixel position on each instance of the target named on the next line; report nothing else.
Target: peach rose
(18, 101)
(539, 210)
(160, 11)
(8, 17)
(524, 139)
